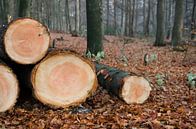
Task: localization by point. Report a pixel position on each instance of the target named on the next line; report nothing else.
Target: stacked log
(9, 89)
(25, 41)
(57, 78)
(63, 79)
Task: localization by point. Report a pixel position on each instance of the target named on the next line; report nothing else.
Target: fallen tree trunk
(25, 41)
(63, 79)
(8, 87)
(127, 86)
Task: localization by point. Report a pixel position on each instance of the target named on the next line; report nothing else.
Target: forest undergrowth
(172, 102)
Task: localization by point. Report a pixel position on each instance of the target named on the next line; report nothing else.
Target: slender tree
(77, 16)
(130, 17)
(133, 18)
(144, 16)
(169, 20)
(108, 15)
(8, 10)
(23, 8)
(68, 24)
(153, 14)
(122, 12)
(193, 23)
(148, 19)
(115, 17)
(160, 24)
(94, 26)
(136, 16)
(126, 17)
(178, 23)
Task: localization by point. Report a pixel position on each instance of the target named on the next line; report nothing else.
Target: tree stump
(8, 88)
(128, 86)
(25, 41)
(63, 79)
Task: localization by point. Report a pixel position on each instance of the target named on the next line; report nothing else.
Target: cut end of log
(63, 79)
(8, 88)
(135, 90)
(26, 41)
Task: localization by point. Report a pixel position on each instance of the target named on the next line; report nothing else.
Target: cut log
(25, 41)
(8, 88)
(63, 79)
(128, 86)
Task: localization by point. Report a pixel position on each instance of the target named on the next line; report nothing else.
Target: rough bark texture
(9, 89)
(178, 23)
(144, 16)
(169, 21)
(128, 86)
(148, 19)
(160, 24)
(23, 8)
(63, 79)
(94, 26)
(193, 24)
(3, 55)
(13, 41)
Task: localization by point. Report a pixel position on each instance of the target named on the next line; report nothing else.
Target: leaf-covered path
(172, 104)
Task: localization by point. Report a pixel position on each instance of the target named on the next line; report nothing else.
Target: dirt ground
(171, 105)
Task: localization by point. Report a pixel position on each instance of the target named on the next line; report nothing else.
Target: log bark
(128, 86)
(9, 89)
(24, 41)
(63, 79)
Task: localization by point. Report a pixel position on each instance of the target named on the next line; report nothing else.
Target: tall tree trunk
(3, 11)
(59, 16)
(108, 15)
(144, 16)
(133, 19)
(67, 15)
(160, 24)
(153, 13)
(130, 16)
(122, 13)
(23, 8)
(94, 26)
(193, 23)
(136, 16)
(77, 16)
(178, 23)
(148, 19)
(126, 16)
(186, 14)
(115, 20)
(169, 21)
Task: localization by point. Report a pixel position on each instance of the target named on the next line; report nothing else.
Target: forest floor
(172, 104)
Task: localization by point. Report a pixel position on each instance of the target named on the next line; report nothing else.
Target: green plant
(160, 79)
(191, 80)
(100, 55)
(149, 58)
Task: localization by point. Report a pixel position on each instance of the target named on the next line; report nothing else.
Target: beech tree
(193, 23)
(178, 23)
(160, 24)
(23, 8)
(94, 26)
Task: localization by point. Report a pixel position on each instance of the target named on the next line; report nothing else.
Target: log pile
(63, 79)
(57, 78)
(9, 89)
